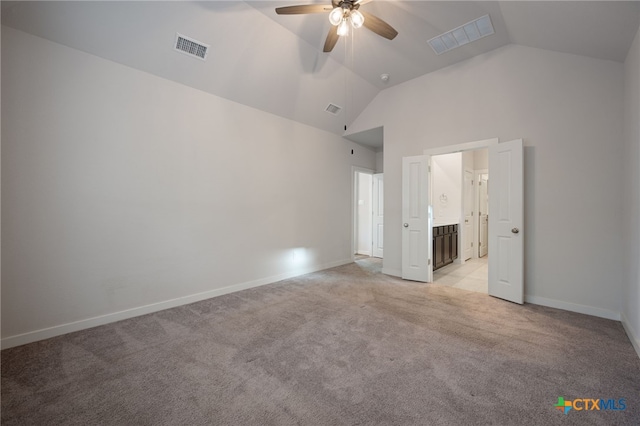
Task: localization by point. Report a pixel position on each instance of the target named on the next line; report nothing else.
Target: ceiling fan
(342, 15)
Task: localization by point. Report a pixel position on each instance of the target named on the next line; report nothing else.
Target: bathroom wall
(446, 187)
(468, 160)
(481, 159)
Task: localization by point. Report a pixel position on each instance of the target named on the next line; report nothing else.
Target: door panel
(378, 214)
(364, 216)
(506, 234)
(416, 235)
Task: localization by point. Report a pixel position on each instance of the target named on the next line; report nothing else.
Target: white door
(506, 233)
(416, 234)
(467, 233)
(378, 214)
(364, 216)
(483, 215)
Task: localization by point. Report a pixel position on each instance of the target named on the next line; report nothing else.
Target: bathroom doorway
(460, 200)
(506, 239)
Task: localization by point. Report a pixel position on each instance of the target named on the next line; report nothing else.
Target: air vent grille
(471, 31)
(333, 109)
(191, 47)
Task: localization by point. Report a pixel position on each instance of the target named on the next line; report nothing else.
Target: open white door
(506, 220)
(416, 234)
(378, 214)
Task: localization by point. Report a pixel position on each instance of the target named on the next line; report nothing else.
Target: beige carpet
(346, 346)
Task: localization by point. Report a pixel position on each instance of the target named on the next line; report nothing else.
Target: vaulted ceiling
(275, 62)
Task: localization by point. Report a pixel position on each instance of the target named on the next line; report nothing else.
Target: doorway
(364, 215)
(456, 187)
(506, 263)
(368, 213)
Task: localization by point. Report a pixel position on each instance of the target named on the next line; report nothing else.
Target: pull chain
(348, 62)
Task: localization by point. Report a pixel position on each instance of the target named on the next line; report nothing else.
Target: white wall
(481, 159)
(121, 189)
(446, 187)
(468, 161)
(568, 109)
(631, 198)
(379, 162)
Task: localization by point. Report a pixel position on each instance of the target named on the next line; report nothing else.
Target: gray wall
(631, 195)
(124, 193)
(568, 109)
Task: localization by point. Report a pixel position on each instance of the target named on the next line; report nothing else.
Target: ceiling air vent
(333, 109)
(191, 47)
(471, 31)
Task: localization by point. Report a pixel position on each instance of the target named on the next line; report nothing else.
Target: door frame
(354, 206)
(508, 193)
(450, 149)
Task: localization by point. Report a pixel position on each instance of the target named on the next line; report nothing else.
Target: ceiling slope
(252, 59)
(275, 62)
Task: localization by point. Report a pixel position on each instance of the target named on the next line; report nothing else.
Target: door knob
(406, 225)
(515, 230)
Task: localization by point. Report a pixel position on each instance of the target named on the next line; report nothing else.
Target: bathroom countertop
(446, 222)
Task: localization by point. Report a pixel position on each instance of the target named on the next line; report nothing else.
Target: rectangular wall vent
(333, 109)
(191, 47)
(471, 31)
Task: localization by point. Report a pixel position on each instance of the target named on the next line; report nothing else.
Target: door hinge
(471, 244)
(429, 262)
(429, 169)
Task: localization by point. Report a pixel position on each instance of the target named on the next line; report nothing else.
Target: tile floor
(472, 275)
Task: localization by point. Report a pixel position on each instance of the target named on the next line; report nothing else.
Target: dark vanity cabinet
(445, 245)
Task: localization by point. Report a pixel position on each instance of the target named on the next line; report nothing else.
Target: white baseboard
(392, 272)
(590, 310)
(573, 307)
(631, 333)
(46, 333)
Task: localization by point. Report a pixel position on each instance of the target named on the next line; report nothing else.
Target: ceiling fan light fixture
(343, 15)
(343, 28)
(357, 19)
(336, 15)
